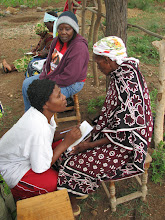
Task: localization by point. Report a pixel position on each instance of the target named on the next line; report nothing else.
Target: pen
(62, 132)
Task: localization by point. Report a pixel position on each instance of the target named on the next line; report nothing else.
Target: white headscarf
(112, 47)
(48, 18)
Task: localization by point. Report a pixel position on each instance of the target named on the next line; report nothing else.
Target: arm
(70, 137)
(75, 66)
(61, 134)
(85, 145)
(44, 46)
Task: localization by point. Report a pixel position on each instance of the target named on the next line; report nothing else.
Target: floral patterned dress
(126, 120)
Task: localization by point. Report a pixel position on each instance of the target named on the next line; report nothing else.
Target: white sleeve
(41, 157)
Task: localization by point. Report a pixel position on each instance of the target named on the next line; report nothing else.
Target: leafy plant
(158, 163)
(22, 64)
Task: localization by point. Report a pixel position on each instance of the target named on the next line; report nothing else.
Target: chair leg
(144, 182)
(77, 108)
(113, 197)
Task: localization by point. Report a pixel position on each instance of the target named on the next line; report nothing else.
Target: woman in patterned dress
(118, 144)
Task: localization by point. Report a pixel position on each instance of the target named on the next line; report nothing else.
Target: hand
(83, 146)
(73, 135)
(43, 53)
(33, 51)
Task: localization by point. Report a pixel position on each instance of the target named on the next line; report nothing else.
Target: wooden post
(70, 8)
(160, 110)
(91, 28)
(83, 18)
(95, 38)
(90, 35)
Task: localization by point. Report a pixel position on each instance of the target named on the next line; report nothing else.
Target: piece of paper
(28, 53)
(85, 129)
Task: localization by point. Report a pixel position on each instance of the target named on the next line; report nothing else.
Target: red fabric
(66, 6)
(58, 47)
(54, 145)
(34, 184)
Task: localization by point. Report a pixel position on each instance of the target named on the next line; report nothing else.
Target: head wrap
(70, 18)
(112, 47)
(48, 18)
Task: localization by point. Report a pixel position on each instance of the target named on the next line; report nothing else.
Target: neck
(48, 115)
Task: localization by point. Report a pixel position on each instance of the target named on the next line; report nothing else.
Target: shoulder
(79, 46)
(34, 119)
(132, 63)
(80, 41)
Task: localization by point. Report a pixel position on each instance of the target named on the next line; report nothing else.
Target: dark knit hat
(68, 17)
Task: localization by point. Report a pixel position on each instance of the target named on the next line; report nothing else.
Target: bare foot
(6, 66)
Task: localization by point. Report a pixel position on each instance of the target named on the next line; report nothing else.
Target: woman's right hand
(73, 135)
(83, 146)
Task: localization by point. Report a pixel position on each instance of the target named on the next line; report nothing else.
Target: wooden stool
(76, 108)
(142, 181)
(55, 206)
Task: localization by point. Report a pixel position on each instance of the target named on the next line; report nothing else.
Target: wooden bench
(50, 206)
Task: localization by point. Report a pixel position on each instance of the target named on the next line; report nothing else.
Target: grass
(5, 121)
(94, 105)
(141, 47)
(158, 164)
(139, 43)
(28, 3)
(153, 95)
(145, 5)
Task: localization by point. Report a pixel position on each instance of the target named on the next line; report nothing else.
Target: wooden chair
(50, 206)
(76, 108)
(142, 193)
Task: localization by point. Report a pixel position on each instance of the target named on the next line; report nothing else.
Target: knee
(25, 84)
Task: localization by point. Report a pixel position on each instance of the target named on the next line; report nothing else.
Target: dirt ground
(17, 38)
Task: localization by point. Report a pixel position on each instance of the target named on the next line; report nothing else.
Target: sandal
(82, 197)
(5, 70)
(77, 212)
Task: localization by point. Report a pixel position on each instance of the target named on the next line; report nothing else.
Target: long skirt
(81, 174)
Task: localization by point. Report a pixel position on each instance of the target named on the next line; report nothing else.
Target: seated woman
(118, 144)
(26, 153)
(42, 48)
(67, 60)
